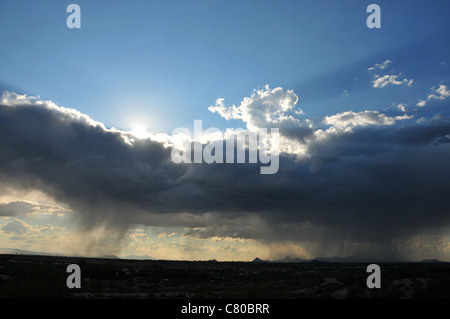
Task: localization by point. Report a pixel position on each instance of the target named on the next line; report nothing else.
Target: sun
(139, 132)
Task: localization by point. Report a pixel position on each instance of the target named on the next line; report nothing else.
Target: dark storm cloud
(374, 183)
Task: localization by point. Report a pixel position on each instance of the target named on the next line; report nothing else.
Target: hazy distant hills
(432, 261)
(283, 260)
(138, 257)
(349, 259)
(14, 251)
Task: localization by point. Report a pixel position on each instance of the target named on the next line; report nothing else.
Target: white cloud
(402, 107)
(441, 93)
(380, 66)
(404, 117)
(228, 113)
(265, 108)
(271, 108)
(421, 103)
(351, 119)
(382, 81)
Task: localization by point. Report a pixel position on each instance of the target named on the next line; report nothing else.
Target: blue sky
(163, 63)
(362, 168)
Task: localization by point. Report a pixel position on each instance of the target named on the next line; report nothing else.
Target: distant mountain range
(138, 257)
(14, 251)
(349, 259)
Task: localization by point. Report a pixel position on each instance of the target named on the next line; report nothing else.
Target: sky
(87, 120)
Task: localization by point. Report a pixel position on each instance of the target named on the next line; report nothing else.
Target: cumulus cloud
(354, 178)
(265, 108)
(271, 108)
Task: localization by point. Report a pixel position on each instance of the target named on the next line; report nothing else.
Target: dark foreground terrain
(24, 276)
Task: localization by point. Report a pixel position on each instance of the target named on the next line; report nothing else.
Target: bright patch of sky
(160, 65)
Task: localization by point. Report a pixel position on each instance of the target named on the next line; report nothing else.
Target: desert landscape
(34, 276)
